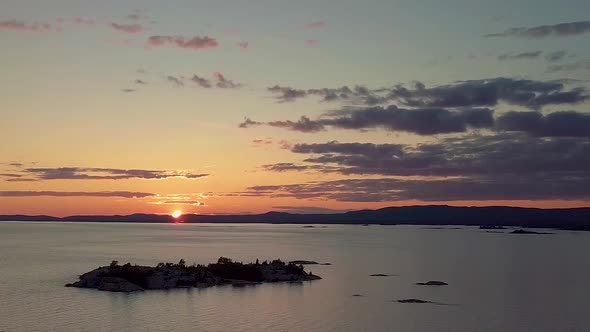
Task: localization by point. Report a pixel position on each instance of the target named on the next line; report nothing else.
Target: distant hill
(571, 219)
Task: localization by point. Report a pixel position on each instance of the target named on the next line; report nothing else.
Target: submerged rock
(432, 283)
(131, 278)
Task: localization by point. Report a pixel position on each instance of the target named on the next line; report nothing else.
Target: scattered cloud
(491, 156)
(138, 81)
(193, 199)
(177, 81)
(262, 141)
(473, 167)
(124, 194)
(433, 121)
(23, 26)
(127, 28)
(391, 190)
(315, 25)
(195, 43)
(285, 167)
(83, 21)
(202, 82)
(489, 92)
(304, 124)
(312, 42)
(95, 173)
(244, 45)
(247, 123)
(472, 93)
(218, 80)
(223, 83)
(583, 65)
(128, 90)
(555, 56)
(287, 93)
(285, 145)
(427, 121)
(519, 56)
(544, 31)
(556, 124)
(139, 15)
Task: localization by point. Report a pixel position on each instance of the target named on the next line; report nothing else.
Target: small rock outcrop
(413, 301)
(303, 262)
(524, 231)
(432, 283)
(381, 275)
(491, 227)
(131, 278)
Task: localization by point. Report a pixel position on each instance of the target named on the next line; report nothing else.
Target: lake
(497, 282)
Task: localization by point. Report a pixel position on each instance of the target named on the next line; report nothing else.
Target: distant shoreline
(434, 215)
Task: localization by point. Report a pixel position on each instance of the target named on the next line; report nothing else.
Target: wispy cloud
(95, 173)
(218, 80)
(519, 56)
(83, 21)
(193, 199)
(544, 31)
(555, 56)
(392, 190)
(427, 121)
(22, 26)
(201, 81)
(224, 83)
(195, 43)
(177, 81)
(433, 121)
(124, 194)
(244, 45)
(139, 14)
(315, 25)
(533, 94)
(127, 28)
(583, 65)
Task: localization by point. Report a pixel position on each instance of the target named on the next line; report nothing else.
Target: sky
(216, 107)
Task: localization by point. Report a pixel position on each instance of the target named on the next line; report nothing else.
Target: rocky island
(130, 278)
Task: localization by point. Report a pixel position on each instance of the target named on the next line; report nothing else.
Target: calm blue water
(498, 282)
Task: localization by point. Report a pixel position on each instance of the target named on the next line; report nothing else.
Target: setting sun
(176, 214)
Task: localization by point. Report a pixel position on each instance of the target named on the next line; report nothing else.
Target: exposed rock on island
(131, 278)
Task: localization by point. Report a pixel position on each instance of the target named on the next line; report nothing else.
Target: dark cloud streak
(544, 31)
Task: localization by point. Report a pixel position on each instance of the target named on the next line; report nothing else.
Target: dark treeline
(571, 219)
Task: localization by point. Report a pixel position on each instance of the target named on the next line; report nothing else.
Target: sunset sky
(118, 107)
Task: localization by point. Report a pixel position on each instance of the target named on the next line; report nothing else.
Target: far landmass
(131, 278)
(492, 217)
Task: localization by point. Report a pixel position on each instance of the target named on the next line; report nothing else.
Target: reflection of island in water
(130, 278)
